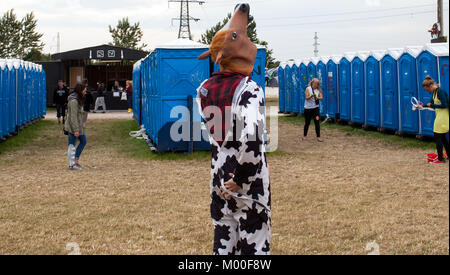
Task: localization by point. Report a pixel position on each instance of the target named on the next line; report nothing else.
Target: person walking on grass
(100, 101)
(60, 95)
(439, 102)
(313, 96)
(74, 126)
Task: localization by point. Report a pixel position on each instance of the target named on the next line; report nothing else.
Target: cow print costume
(241, 223)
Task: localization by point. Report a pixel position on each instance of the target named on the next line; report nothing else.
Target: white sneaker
(75, 168)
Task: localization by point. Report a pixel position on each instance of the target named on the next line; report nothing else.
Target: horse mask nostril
(244, 8)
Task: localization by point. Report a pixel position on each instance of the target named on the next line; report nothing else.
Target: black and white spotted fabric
(242, 223)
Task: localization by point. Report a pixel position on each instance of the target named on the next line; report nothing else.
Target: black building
(104, 63)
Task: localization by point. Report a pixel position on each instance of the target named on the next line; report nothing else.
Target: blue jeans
(80, 148)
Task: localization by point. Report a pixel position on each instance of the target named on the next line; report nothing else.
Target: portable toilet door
(321, 70)
(407, 75)
(10, 98)
(303, 75)
(345, 84)
(281, 92)
(373, 89)
(259, 68)
(333, 86)
(389, 97)
(427, 65)
(358, 89)
(311, 70)
(3, 89)
(289, 87)
(295, 89)
(440, 50)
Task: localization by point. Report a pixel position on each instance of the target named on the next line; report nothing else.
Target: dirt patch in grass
(328, 198)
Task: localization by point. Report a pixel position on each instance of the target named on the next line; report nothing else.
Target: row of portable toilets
(23, 95)
(164, 86)
(369, 88)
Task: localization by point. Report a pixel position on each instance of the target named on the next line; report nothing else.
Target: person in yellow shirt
(439, 103)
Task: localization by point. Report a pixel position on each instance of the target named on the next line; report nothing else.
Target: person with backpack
(439, 102)
(74, 126)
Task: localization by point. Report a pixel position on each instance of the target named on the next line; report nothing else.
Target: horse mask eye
(234, 35)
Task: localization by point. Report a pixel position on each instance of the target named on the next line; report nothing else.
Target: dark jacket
(100, 92)
(88, 102)
(60, 95)
(442, 96)
(129, 91)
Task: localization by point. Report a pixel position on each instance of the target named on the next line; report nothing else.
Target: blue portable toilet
(321, 70)
(3, 89)
(11, 98)
(427, 65)
(281, 88)
(440, 50)
(333, 86)
(174, 75)
(358, 88)
(407, 75)
(295, 89)
(311, 69)
(389, 97)
(137, 92)
(303, 76)
(433, 53)
(373, 89)
(289, 87)
(345, 86)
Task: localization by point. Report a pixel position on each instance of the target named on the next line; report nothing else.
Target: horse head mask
(231, 48)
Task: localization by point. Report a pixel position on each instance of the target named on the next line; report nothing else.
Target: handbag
(124, 96)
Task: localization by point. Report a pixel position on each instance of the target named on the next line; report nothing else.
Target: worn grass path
(328, 198)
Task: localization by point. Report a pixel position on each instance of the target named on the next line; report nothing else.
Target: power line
(345, 13)
(349, 20)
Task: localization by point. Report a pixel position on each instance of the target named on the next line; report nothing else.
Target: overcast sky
(288, 25)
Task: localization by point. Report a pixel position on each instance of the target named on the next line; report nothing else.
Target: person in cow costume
(233, 106)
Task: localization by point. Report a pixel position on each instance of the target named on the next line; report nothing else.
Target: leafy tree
(208, 36)
(36, 55)
(127, 35)
(18, 37)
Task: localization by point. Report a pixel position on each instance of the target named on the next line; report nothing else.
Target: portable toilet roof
(9, 63)
(396, 52)
(350, 56)
(363, 55)
(414, 50)
(291, 63)
(325, 59)
(306, 61)
(378, 54)
(298, 62)
(336, 58)
(437, 49)
(137, 64)
(283, 64)
(2, 63)
(315, 60)
(182, 44)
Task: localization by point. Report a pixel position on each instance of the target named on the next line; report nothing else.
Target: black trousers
(312, 114)
(60, 110)
(441, 142)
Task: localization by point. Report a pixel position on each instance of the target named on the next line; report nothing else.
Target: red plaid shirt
(221, 88)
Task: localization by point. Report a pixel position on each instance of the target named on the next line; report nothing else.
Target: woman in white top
(313, 96)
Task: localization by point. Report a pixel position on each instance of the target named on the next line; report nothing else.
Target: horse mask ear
(204, 55)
